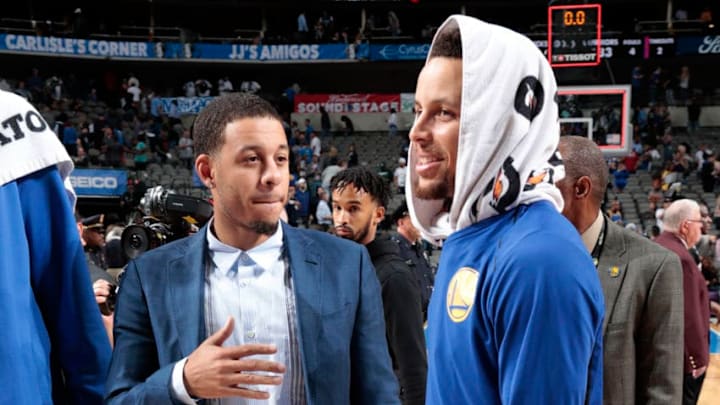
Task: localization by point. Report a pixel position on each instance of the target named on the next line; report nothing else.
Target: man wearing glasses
(682, 230)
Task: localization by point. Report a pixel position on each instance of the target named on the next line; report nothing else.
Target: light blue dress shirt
(255, 288)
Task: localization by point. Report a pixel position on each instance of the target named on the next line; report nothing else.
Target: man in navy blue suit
(250, 310)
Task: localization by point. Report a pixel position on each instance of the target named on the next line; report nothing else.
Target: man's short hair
(364, 179)
(209, 126)
(582, 157)
(400, 213)
(447, 43)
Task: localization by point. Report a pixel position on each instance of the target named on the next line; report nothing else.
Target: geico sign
(93, 182)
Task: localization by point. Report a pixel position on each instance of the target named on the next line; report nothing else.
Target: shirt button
(250, 335)
(243, 284)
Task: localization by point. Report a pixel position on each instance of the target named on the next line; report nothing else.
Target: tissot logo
(94, 182)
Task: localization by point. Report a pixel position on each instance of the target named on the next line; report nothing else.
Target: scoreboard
(574, 35)
(632, 47)
(575, 39)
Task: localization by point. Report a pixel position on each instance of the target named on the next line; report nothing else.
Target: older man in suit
(682, 230)
(642, 285)
(250, 310)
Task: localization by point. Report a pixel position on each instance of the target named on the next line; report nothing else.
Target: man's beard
(359, 236)
(262, 228)
(433, 191)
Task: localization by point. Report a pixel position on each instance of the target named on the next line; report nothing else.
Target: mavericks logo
(461, 294)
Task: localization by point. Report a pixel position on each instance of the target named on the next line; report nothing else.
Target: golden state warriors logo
(461, 294)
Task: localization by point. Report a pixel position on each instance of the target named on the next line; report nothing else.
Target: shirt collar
(591, 235)
(225, 256)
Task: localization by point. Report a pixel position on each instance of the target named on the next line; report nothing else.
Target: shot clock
(574, 35)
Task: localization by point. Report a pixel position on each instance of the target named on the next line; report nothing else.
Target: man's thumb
(221, 335)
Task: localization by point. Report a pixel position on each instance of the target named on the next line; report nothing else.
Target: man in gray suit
(642, 285)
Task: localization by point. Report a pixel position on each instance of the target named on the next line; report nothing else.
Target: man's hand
(102, 289)
(213, 371)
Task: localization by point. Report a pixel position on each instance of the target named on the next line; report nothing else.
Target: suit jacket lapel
(612, 268)
(186, 278)
(304, 260)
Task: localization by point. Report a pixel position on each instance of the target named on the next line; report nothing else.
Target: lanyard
(597, 250)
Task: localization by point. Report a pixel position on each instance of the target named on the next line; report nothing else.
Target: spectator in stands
(311, 326)
(615, 212)
(655, 195)
(141, 153)
(693, 113)
(250, 86)
(185, 146)
(392, 122)
(309, 129)
(113, 149)
(22, 91)
(315, 144)
(203, 87)
(642, 359)
(292, 206)
(35, 84)
(302, 194)
(70, 138)
(134, 91)
(302, 25)
(348, 124)
(54, 349)
(331, 170)
(359, 198)
(189, 88)
(352, 156)
(324, 122)
(682, 228)
(707, 172)
(323, 214)
(393, 24)
(399, 176)
(620, 176)
(496, 215)
(683, 82)
(637, 82)
(225, 86)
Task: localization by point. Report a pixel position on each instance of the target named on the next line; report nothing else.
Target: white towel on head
(28, 144)
(508, 136)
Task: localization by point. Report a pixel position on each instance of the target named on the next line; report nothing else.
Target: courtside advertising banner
(78, 47)
(99, 182)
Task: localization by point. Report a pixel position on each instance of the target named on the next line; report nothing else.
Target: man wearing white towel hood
(516, 314)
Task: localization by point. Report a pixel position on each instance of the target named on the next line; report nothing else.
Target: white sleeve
(178, 389)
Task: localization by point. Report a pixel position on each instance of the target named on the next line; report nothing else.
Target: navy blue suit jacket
(160, 319)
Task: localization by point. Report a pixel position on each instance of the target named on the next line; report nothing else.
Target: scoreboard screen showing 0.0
(574, 35)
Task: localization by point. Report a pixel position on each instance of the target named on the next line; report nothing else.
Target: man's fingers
(217, 338)
(249, 349)
(242, 379)
(243, 393)
(249, 364)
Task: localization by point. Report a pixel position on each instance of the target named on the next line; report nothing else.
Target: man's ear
(203, 167)
(379, 215)
(582, 187)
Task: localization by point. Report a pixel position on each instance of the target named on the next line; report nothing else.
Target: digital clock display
(574, 34)
(573, 18)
